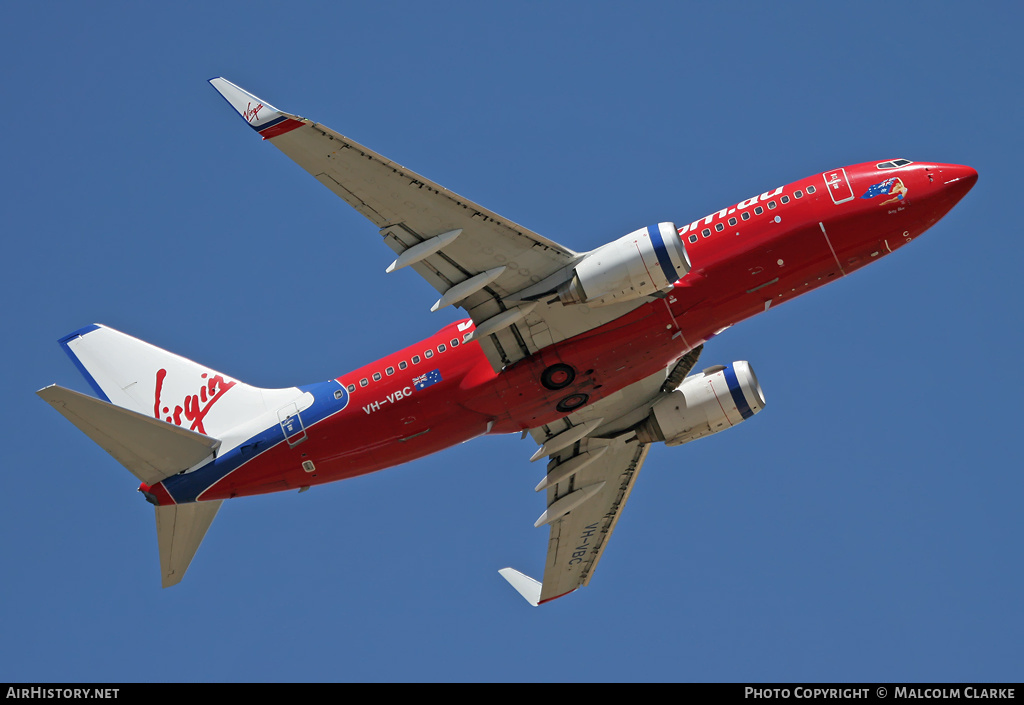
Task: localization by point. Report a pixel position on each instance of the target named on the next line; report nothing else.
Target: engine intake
(642, 263)
(714, 400)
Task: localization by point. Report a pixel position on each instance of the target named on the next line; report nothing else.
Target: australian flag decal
(424, 381)
(881, 188)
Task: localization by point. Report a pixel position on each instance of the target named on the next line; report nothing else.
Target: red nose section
(964, 177)
(956, 180)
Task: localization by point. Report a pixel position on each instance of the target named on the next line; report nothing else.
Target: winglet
(524, 585)
(261, 115)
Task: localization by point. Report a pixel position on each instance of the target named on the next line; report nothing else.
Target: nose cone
(964, 178)
(955, 180)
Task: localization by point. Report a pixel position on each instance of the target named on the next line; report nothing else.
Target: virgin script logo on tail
(195, 407)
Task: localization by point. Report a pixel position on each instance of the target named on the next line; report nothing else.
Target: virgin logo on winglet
(252, 113)
(195, 407)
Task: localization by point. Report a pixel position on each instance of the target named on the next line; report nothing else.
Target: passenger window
(810, 189)
(746, 215)
(441, 348)
(799, 194)
(402, 365)
(785, 199)
(351, 388)
(428, 353)
(363, 382)
(719, 227)
(706, 232)
(692, 238)
(390, 371)
(732, 221)
(415, 359)
(454, 342)
(759, 210)
(376, 376)
(771, 205)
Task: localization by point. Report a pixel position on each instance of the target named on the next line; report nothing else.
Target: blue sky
(866, 526)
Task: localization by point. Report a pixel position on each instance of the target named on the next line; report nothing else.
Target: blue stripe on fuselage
(737, 393)
(659, 249)
(187, 487)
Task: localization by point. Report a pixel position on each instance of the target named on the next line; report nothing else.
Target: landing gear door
(838, 186)
(291, 424)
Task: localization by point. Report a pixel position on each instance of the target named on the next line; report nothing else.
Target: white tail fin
(135, 375)
(162, 414)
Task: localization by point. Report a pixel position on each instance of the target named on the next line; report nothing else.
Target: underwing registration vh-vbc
(592, 354)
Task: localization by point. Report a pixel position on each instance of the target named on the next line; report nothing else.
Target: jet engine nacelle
(642, 263)
(714, 400)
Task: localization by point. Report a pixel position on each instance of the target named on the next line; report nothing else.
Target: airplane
(593, 355)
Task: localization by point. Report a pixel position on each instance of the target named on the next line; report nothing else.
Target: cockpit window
(894, 164)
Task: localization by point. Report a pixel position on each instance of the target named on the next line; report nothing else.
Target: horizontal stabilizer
(524, 585)
(151, 449)
(180, 529)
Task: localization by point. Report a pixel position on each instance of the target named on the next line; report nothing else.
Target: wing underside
(487, 265)
(475, 258)
(577, 540)
(594, 461)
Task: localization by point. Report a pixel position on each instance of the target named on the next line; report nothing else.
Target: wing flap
(410, 209)
(389, 194)
(599, 467)
(578, 539)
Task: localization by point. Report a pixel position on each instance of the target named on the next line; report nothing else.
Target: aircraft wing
(595, 459)
(475, 258)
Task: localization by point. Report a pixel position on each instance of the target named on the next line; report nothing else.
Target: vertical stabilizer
(180, 529)
(164, 416)
(135, 375)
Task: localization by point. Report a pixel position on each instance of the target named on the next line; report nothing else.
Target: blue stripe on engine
(737, 393)
(663, 259)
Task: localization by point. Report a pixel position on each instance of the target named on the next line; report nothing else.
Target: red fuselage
(758, 253)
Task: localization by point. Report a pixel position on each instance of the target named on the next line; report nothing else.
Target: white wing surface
(595, 459)
(475, 258)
